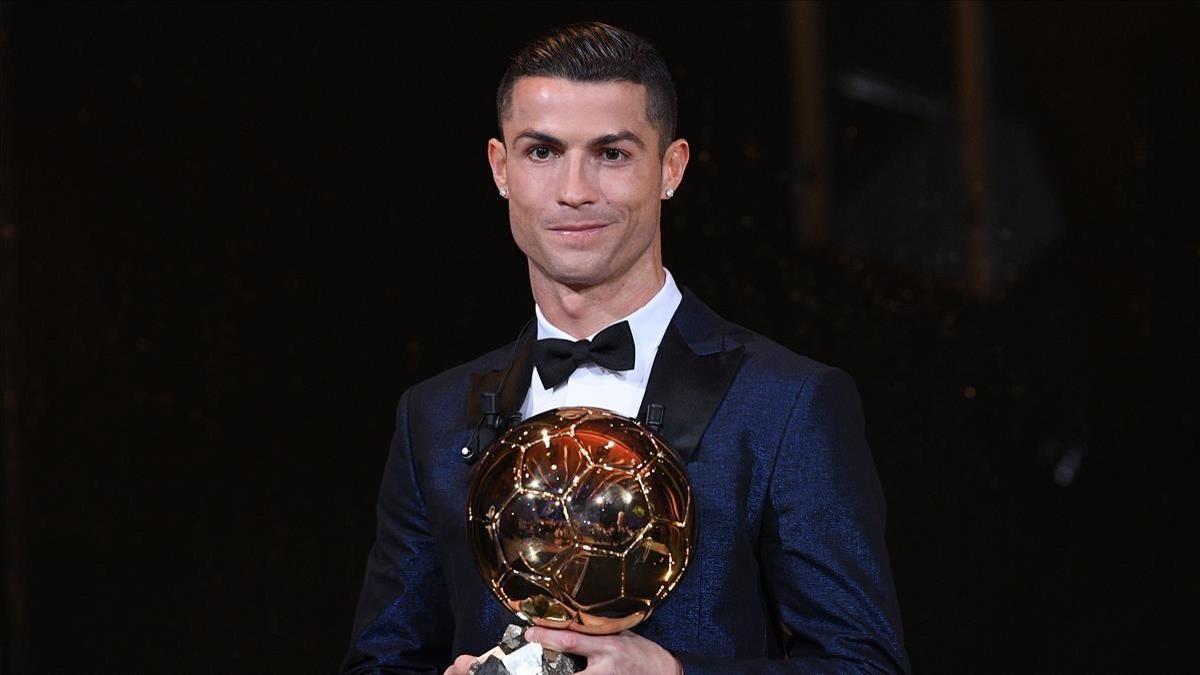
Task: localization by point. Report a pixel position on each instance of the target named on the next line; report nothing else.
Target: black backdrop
(235, 233)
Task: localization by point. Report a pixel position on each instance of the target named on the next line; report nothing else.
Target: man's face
(585, 179)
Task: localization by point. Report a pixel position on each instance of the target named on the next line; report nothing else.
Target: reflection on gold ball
(580, 518)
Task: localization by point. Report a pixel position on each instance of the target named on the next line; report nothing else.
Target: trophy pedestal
(515, 656)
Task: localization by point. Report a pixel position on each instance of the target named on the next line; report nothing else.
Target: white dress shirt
(596, 386)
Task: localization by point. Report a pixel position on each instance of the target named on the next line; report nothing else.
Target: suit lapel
(510, 393)
(692, 371)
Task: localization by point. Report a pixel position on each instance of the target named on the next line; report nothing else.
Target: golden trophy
(580, 519)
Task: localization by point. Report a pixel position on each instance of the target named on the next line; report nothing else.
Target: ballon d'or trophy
(579, 518)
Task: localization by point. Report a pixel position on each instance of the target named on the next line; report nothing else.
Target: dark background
(234, 234)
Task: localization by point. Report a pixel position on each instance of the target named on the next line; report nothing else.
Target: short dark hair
(596, 52)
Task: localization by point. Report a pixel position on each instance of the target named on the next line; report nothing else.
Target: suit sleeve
(399, 627)
(821, 550)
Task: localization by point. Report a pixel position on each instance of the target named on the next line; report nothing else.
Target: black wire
(513, 359)
(471, 449)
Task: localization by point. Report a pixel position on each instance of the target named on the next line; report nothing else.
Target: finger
(461, 665)
(569, 641)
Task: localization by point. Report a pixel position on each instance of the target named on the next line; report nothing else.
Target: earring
(670, 192)
(504, 192)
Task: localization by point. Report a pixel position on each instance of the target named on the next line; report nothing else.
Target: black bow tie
(556, 359)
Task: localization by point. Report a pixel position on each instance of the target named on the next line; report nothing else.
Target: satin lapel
(515, 385)
(690, 387)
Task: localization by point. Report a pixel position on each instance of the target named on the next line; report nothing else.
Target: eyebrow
(609, 139)
(606, 139)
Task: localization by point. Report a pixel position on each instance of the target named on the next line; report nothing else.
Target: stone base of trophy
(515, 656)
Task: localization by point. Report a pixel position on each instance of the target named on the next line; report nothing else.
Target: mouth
(578, 234)
(578, 228)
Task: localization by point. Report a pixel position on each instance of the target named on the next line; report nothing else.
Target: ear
(498, 158)
(675, 161)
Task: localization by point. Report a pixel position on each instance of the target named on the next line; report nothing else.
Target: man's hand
(461, 665)
(622, 654)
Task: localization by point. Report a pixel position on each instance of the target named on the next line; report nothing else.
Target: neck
(584, 310)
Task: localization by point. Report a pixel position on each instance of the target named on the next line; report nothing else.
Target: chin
(578, 281)
(578, 275)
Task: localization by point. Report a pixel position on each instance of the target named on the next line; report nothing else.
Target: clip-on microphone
(489, 419)
(491, 423)
(654, 416)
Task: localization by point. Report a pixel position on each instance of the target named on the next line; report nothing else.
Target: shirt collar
(648, 324)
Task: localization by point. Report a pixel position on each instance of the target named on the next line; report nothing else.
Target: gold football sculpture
(580, 518)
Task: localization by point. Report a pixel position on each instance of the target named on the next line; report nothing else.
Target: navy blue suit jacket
(789, 574)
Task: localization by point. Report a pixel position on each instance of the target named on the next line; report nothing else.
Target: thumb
(461, 665)
(566, 641)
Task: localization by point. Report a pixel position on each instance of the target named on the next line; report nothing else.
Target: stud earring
(670, 192)
(504, 192)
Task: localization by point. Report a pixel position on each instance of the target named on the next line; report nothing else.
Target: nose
(576, 186)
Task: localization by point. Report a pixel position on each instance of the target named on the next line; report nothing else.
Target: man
(789, 573)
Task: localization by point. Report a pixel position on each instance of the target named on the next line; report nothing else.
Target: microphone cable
(488, 406)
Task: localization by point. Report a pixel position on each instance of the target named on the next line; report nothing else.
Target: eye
(613, 154)
(540, 152)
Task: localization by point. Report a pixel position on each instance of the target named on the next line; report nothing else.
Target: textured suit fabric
(789, 573)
